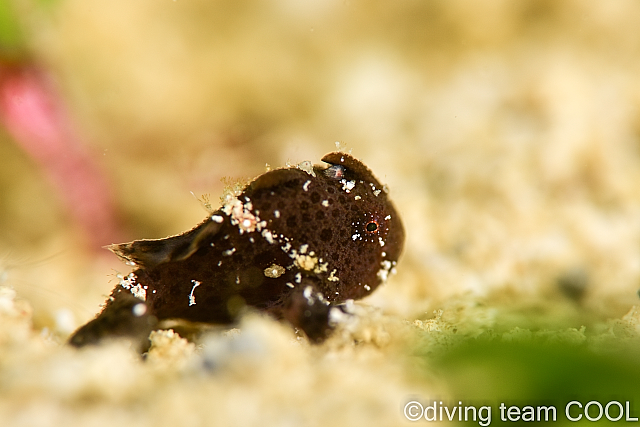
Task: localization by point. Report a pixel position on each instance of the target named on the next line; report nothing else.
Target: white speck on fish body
(139, 309)
(304, 262)
(383, 273)
(138, 292)
(307, 294)
(274, 271)
(128, 281)
(376, 192)
(130, 284)
(276, 213)
(357, 198)
(367, 287)
(192, 298)
(298, 277)
(246, 224)
(289, 284)
(307, 167)
(305, 186)
(381, 241)
(347, 186)
(217, 218)
(303, 248)
(387, 217)
(228, 252)
(240, 215)
(325, 203)
(267, 236)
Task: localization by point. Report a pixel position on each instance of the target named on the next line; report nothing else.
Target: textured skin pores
(296, 242)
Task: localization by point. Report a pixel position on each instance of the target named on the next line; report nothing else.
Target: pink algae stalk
(34, 116)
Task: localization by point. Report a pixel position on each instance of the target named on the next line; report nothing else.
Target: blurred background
(508, 133)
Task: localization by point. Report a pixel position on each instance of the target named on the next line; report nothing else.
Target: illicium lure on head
(296, 243)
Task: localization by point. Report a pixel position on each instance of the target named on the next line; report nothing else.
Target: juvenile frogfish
(296, 243)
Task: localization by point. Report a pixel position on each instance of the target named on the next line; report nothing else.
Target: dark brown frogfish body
(295, 243)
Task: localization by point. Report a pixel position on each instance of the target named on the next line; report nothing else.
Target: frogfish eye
(371, 226)
(335, 172)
